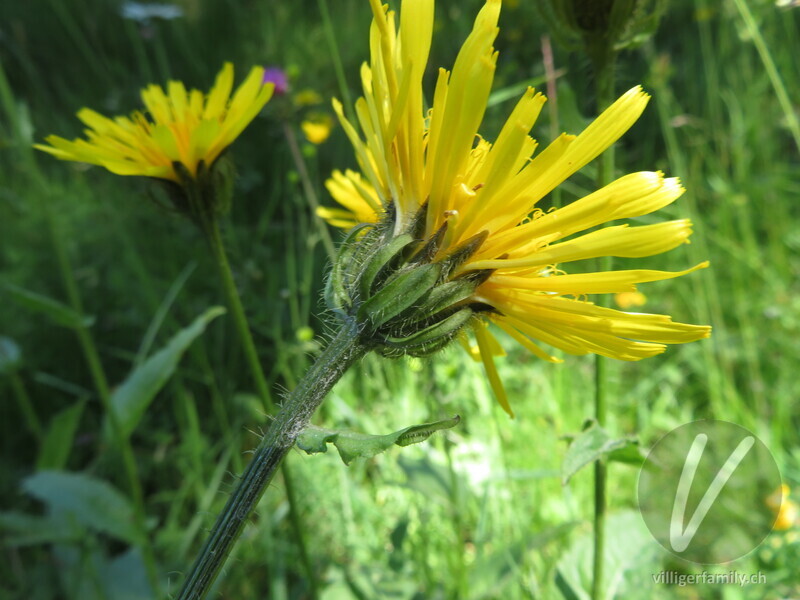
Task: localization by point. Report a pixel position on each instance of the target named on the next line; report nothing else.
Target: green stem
(211, 228)
(308, 189)
(246, 337)
(340, 354)
(297, 525)
(772, 71)
(604, 73)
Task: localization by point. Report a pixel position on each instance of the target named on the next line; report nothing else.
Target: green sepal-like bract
(429, 340)
(337, 296)
(205, 195)
(442, 297)
(381, 261)
(400, 294)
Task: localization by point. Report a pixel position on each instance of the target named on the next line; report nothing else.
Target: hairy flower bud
(205, 195)
(399, 289)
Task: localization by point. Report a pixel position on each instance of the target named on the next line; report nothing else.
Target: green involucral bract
(205, 195)
(399, 289)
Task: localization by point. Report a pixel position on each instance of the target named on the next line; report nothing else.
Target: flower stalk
(211, 229)
(340, 354)
(604, 81)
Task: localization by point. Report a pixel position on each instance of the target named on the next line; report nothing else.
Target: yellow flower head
(627, 300)
(317, 129)
(787, 513)
(179, 127)
(483, 196)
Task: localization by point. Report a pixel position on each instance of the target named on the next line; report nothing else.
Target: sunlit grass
(476, 512)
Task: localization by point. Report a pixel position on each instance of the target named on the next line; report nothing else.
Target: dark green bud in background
(600, 28)
(203, 197)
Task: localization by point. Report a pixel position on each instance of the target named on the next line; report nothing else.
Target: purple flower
(277, 76)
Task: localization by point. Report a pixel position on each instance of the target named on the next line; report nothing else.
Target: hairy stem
(341, 353)
(248, 345)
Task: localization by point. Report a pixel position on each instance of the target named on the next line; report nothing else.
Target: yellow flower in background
(484, 195)
(787, 513)
(317, 128)
(307, 97)
(178, 126)
(627, 300)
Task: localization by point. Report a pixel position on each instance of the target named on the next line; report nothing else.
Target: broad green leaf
(593, 443)
(125, 577)
(91, 574)
(22, 529)
(132, 397)
(59, 438)
(432, 480)
(631, 454)
(85, 500)
(497, 570)
(10, 355)
(59, 313)
(630, 559)
(353, 445)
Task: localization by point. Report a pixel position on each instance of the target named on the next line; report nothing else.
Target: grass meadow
(89, 259)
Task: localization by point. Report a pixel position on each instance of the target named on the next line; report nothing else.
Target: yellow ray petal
(606, 282)
(485, 346)
(630, 196)
(621, 241)
(468, 91)
(524, 341)
(534, 182)
(219, 94)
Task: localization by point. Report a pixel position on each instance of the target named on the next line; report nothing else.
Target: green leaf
(514, 91)
(59, 313)
(10, 355)
(22, 529)
(495, 571)
(632, 454)
(163, 310)
(79, 498)
(431, 338)
(125, 577)
(353, 445)
(59, 438)
(131, 399)
(630, 559)
(432, 480)
(91, 574)
(593, 443)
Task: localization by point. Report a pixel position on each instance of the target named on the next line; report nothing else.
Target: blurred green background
(476, 512)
